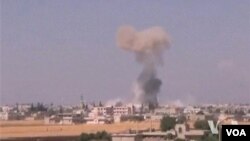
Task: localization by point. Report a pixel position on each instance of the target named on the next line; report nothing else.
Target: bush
(181, 119)
(179, 139)
(209, 137)
(167, 123)
(201, 124)
(102, 136)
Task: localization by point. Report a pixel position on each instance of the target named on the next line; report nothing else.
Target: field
(37, 128)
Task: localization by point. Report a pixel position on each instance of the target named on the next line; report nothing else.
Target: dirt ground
(37, 128)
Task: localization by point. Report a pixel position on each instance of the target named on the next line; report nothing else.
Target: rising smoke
(148, 46)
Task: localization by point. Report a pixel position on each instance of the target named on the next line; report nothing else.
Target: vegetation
(39, 107)
(132, 118)
(181, 119)
(167, 123)
(239, 113)
(201, 124)
(170, 136)
(100, 104)
(209, 137)
(217, 110)
(99, 136)
(179, 139)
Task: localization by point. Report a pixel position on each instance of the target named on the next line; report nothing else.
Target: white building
(52, 120)
(190, 109)
(24, 107)
(183, 132)
(97, 120)
(6, 108)
(101, 111)
(107, 111)
(8, 116)
(123, 110)
(166, 110)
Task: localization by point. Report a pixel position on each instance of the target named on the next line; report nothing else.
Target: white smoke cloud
(114, 102)
(148, 45)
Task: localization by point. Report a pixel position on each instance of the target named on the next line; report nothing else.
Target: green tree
(209, 137)
(167, 123)
(100, 104)
(32, 108)
(102, 136)
(201, 124)
(99, 136)
(181, 119)
(239, 113)
(217, 110)
(169, 136)
(179, 139)
(84, 137)
(60, 109)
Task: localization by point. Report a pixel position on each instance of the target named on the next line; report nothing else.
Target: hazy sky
(57, 50)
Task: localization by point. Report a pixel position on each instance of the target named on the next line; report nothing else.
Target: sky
(57, 50)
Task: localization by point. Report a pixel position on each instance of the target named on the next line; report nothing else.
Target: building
(166, 111)
(191, 110)
(101, 111)
(110, 110)
(6, 108)
(52, 120)
(65, 118)
(24, 107)
(4, 115)
(8, 116)
(97, 120)
(184, 132)
(195, 117)
(123, 110)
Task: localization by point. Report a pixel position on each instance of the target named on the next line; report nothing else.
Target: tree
(217, 110)
(86, 107)
(167, 123)
(100, 104)
(209, 137)
(170, 136)
(178, 139)
(101, 136)
(181, 119)
(84, 137)
(201, 124)
(32, 108)
(60, 109)
(239, 113)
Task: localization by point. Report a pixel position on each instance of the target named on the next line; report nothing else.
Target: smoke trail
(148, 46)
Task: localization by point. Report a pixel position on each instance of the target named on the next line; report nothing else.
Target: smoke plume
(148, 46)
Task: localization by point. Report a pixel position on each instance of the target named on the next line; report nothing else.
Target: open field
(37, 128)
(21, 123)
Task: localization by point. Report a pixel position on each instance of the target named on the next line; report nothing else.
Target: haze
(56, 51)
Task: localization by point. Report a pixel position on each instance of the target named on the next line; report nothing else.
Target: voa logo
(236, 132)
(214, 128)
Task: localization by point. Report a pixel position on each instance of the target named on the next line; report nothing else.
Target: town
(82, 70)
(181, 122)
